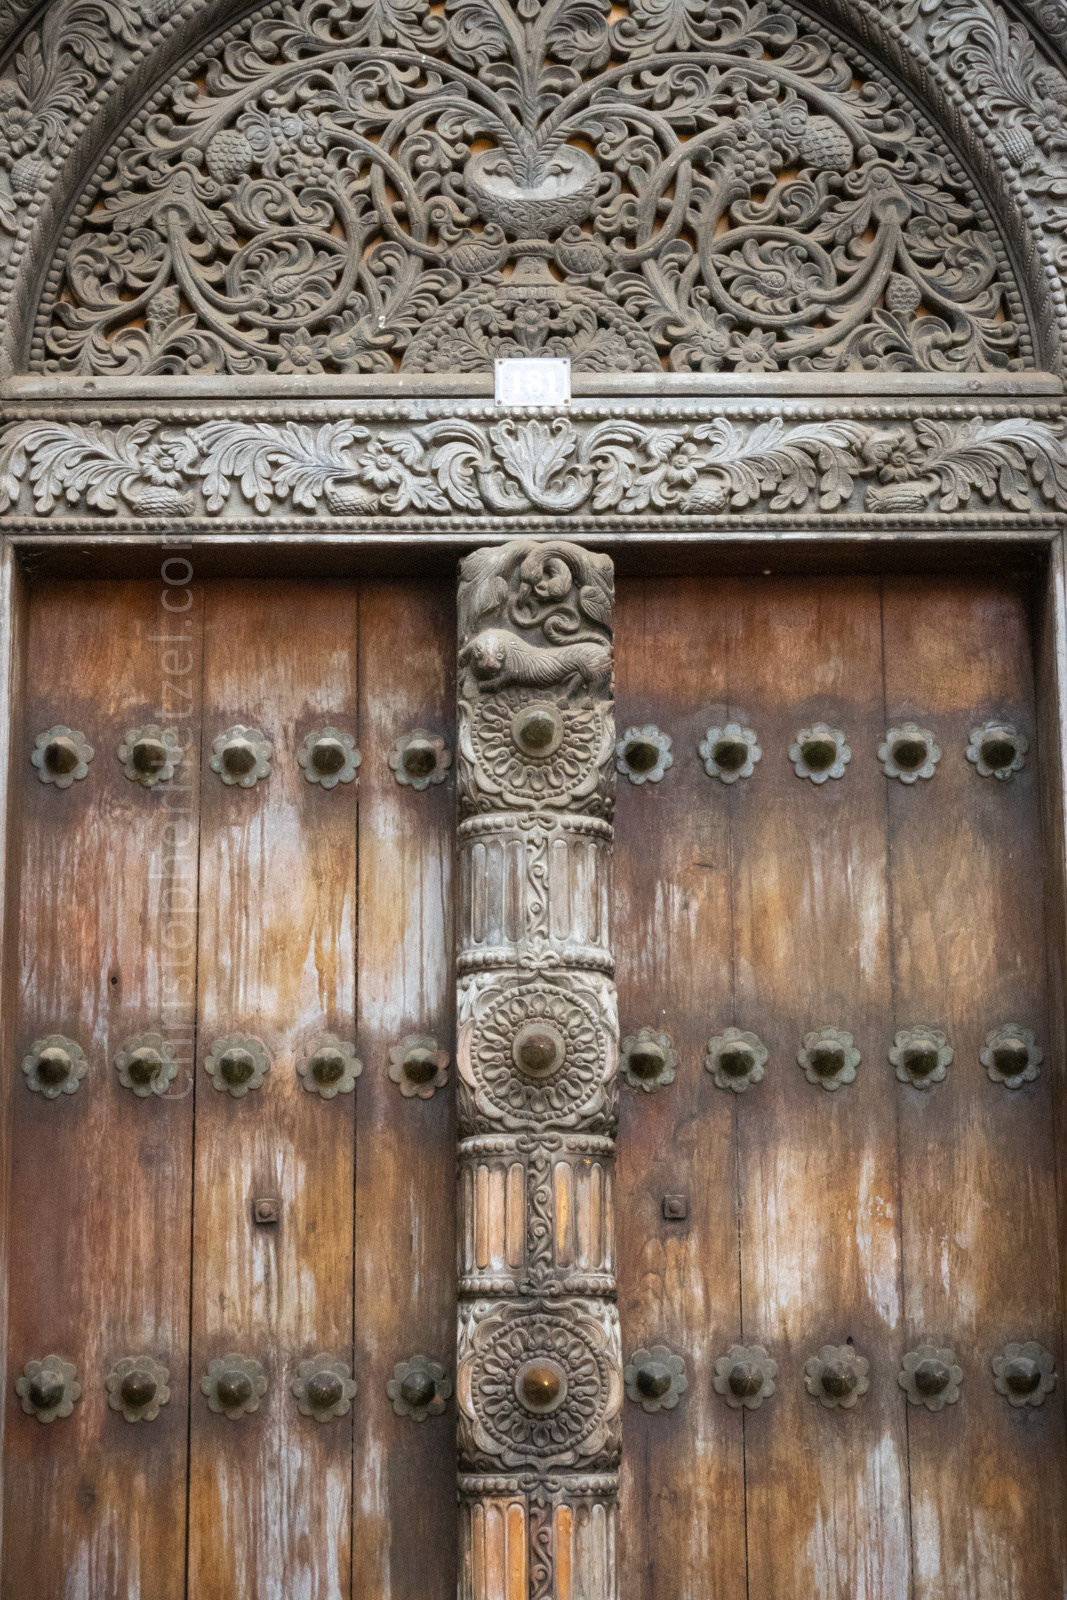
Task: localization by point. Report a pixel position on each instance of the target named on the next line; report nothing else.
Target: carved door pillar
(539, 1366)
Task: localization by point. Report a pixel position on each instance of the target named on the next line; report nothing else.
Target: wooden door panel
(270, 1493)
(977, 1160)
(95, 1506)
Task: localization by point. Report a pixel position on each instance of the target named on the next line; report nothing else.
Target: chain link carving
(539, 1378)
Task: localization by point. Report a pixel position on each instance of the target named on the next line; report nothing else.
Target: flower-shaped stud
(920, 1056)
(729, 753)
(418, 1066)
(331, 1069)
(644, 754)
(418, 1388)
(655, 1379)
(909, 753)
(150, 755)
(1011, 1056)
(930, 1377)
(329, 757)
(241, 755)
(61, 756)
(745, 1376)
(829, 1058)
(1024, 1373)
(997, 749)
(146, 1064)
(735, 1059)
(54, 1066)
(820, 752)
(48, 1388)
(234, 1385)
(237, 1063)
(837, 1376)
(419, 759)
(648, 1060)
(323, 1388)
(137, 1386)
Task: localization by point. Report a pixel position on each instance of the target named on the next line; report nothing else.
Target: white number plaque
(533, 381)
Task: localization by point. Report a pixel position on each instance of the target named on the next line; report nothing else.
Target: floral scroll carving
(539, 1377)
(370, 186)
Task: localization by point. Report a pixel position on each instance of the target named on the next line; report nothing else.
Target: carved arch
(404, 200)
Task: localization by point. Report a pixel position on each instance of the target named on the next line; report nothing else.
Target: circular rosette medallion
(542, 1386)
(538, 1055)
(536, 752)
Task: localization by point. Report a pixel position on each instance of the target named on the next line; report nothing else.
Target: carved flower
(829, 1058)
(930, 1377)
(1011, 1056)
(735, 1059)
(161, 463)
(837, 1376)
(745, 1376)
(655, 1379)
(417, 1066)
(753, 352)
(644, 754)
(304, 352)
(536, 752)
(921, 1056)
(48, 1388)
(1024, 1373)
(20, 131)
(705, 344)
(730, 752)
(909, 753)
(819, 753)
(419, 1388)
(234, 1385)
(1047, 121)
(903, 459)
(323, 1388)
(648, 1060)
(538, 1053)
(770, 279)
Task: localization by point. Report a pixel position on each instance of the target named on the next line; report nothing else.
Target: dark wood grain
(682, 1490)
(100, 1179)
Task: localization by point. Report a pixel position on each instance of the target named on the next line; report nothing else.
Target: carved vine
(358, 186)
(515, 467)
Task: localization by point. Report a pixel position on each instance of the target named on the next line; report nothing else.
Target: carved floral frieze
(555, 465)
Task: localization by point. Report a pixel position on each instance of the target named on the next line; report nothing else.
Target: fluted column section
(539, 1365)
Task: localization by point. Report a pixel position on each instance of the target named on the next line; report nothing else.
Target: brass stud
(655, 1379)
(234, 1385)
(324, 1388)
(419, 759)
(61, 756)
(997, 750)
(329, 757)
(150, 755)
(1024, 1373)
(921, 1056)
(241, 756)
(541, 1385)
(537, 730)
(1011, 1056)
(648, 1060)
(417, 1066)
(837, 1376)
(418, 1388)
(930, 1377)
(538, 1049)
(644, 754)
(744, 1376)
(909, 753)
(829, 1058)
(48, 1388)
(237, 1063)
(735, 1059)
(137, 1386)
(819, 753)
(729, 753)
(331, 1069)
(146, 1064)
(54, 1066)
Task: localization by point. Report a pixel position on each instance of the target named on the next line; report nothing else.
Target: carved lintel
(539, 1371)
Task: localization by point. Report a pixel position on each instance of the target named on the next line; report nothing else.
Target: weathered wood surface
(867, 905)
(100, 1180)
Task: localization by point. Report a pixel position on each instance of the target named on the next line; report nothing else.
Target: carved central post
(539, 1366)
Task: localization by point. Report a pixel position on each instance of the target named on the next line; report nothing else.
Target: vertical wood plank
(977, 1164)
(826, 1489)
(682, 1484)
(405, 1294)
(270, 1495)
(100, 1179)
